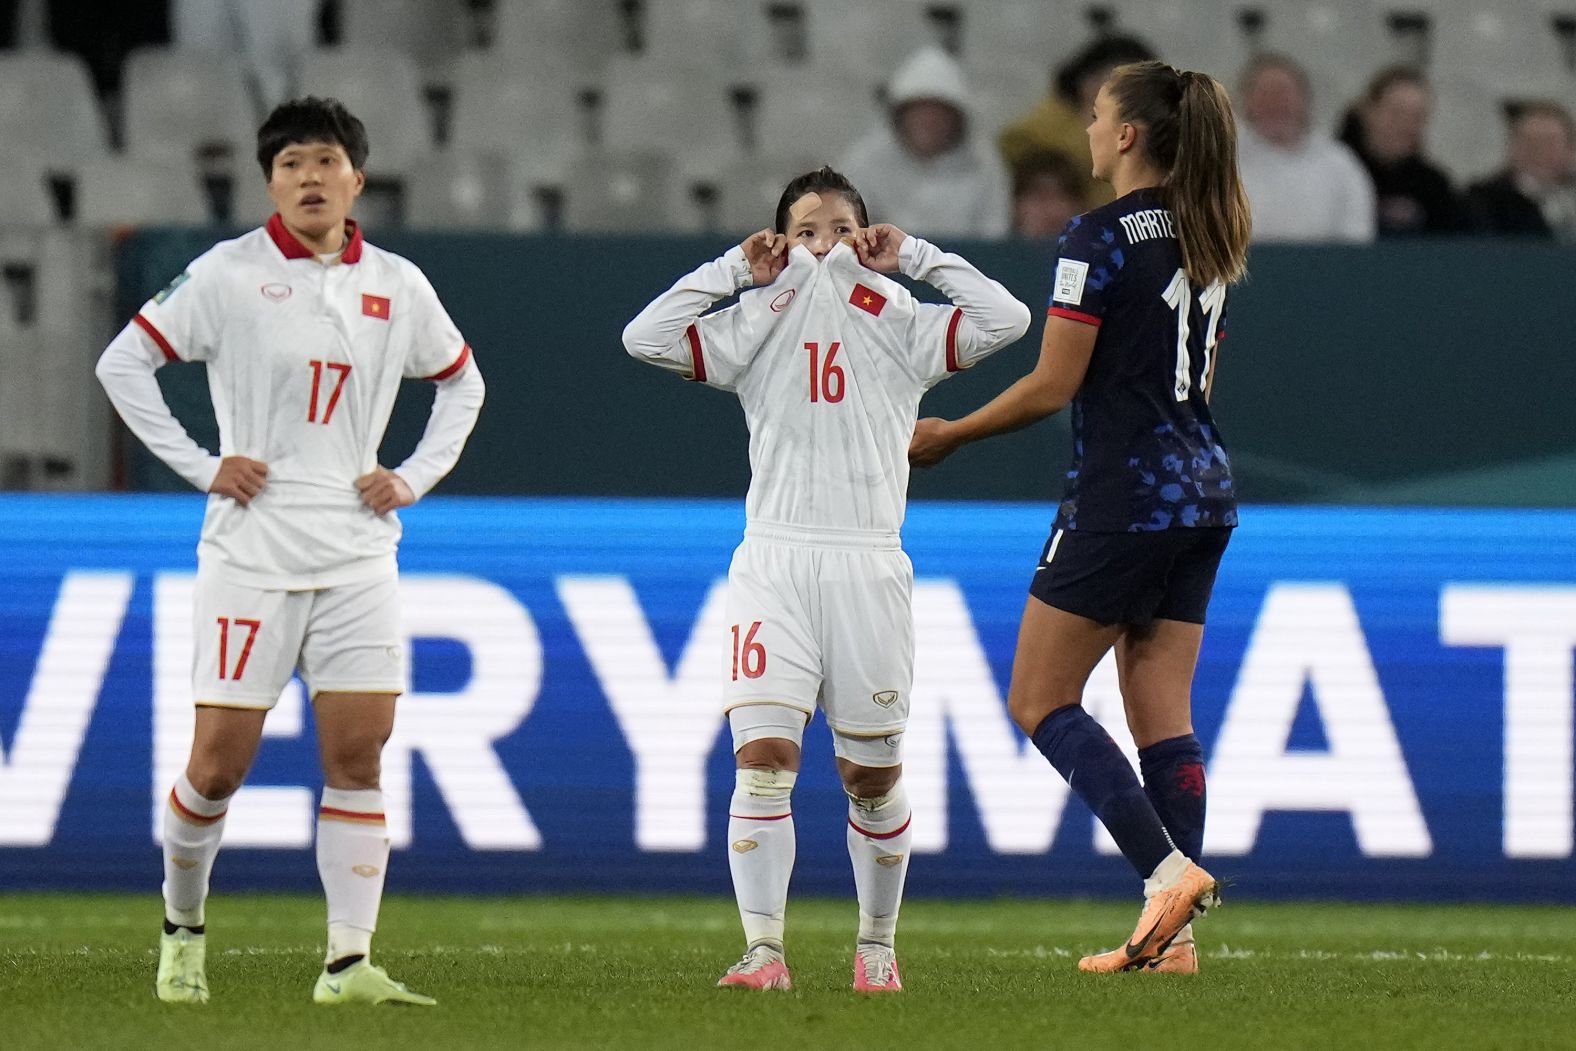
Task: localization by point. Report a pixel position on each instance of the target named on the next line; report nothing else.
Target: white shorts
(247, 641)
(828, 624)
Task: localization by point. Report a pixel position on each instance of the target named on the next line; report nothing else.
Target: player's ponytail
(1192, 137)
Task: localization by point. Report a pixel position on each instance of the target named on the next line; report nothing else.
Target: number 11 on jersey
(1178, 296)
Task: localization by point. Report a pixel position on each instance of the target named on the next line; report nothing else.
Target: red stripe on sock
(754, 817)
(192, 815)
(349, 815)
(882, 835)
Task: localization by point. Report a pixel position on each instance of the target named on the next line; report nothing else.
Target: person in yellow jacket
(1058, 121)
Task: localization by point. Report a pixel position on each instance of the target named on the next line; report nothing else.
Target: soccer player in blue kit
(1137, 304)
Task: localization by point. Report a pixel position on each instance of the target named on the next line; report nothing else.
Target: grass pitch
(76, 971)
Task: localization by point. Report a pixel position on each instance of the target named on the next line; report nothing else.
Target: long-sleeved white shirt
(829, 362)
(1316, 191)
(304, 362)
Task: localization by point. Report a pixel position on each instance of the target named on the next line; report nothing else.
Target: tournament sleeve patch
(169, 290)
(1070, 277)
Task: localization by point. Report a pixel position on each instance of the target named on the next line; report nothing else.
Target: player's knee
(1029, 708)
(869, 785)
(214, 778)
(759, 787)
(768, 753)
(353, 764)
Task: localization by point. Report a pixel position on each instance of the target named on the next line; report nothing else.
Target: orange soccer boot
(1165, 914)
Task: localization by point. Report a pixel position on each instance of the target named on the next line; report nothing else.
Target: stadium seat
(686, 113)
(583, 33)
(1467, 131)
(1189, 35)
(611, 191)
(48, 418)
(1510, 49)
(48, 111)
(465, 190)
(429, 31)
(183, 102)
(27, 200)
(875, 36)
(720, 32)
(139, 192)
(1345, 41)
(812, 111)
(748, 191)
(383, 88)
(1001, 94)
(502, 105)
(1023, 33)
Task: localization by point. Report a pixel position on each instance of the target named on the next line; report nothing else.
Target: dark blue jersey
(1146, 453)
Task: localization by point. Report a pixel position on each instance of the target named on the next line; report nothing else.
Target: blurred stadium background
(1386, 691)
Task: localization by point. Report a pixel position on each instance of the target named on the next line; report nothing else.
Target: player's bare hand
(934, 440)
(767, 252)
(384, 491)
(239, 478)
(877, 246)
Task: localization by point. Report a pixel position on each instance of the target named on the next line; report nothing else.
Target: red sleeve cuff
(459, 363)
(1074, 315)
(157, 337)
(697, 359)
(952, 340)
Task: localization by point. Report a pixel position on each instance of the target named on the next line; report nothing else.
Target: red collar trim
(291, 248)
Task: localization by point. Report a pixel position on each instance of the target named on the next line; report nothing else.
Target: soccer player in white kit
(307, 331)
(829, 358)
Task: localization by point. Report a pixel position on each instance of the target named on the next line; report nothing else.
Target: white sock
(1166, 874)
(352, 858)
(879, 838)
(193, 826)
(761, 850)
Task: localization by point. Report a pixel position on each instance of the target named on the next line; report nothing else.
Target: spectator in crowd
(1304, 186)
(1048, 189)
(269, 35)
(1385, 129)
(922, 170)
(1536, 193)
(1059, 121)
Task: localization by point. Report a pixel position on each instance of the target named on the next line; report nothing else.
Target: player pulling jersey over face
(829, 358)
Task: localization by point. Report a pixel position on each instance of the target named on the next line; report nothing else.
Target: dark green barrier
(1431, 373)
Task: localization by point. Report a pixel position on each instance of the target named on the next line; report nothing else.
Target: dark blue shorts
(1131, 578)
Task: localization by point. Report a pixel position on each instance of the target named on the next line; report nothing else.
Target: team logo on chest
(375, 306)
(276, 291)
(783, 299)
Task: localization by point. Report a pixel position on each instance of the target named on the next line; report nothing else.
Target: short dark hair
(311, 119)
(822, 180)
(1051, 164)
(1107, 52)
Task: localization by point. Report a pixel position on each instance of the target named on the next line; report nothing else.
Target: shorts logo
(885, 698)
(783, 299)
(893, 740)
(276, 292)
(888, 860)
(365, 870)
(393, 652)
(744, 846)
(1070, 277)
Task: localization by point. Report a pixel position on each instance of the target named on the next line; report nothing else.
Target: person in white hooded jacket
(829, 358)
(925, 168)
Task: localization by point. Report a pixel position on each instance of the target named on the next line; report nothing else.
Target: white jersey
(305, 357)
(829, 362)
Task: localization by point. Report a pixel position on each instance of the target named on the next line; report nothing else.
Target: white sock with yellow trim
(193, 826)
(879, 840)
(761, 850)
(352, 858)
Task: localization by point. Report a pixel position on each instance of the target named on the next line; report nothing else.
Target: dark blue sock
(1174, 778)
(1084, 754)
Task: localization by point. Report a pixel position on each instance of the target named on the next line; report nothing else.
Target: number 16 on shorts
(749, 656)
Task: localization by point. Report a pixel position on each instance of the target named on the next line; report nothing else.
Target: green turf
(76, 971)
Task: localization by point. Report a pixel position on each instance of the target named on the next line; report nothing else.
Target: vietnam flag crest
(375, 306)
(868, 300)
